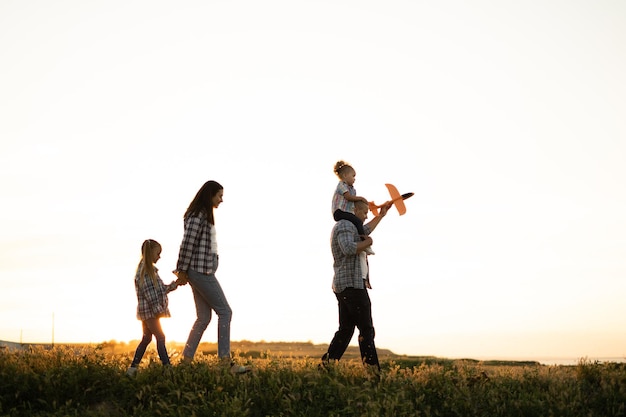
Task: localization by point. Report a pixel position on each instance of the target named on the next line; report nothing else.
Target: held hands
(182, 277)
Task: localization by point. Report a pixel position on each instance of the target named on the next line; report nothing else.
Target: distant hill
(246, 348)
(295, 349)
(243, 348)
(262, 349)
(9, 345)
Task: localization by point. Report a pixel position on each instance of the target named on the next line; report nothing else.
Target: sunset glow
(505, 120)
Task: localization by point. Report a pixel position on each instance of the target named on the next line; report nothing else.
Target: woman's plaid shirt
(346, 264)
(195, 249)
(151, 296)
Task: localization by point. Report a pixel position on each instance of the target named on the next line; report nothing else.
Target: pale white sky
(505, 118)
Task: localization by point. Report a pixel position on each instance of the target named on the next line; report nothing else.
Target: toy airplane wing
(398, 200)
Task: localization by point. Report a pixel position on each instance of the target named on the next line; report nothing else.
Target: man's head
(361, 209)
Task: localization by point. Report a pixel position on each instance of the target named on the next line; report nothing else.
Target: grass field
(286, 381)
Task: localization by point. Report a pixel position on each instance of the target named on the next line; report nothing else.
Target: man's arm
(344, 235)
(374, 222)
(348, 242)
(364, 244)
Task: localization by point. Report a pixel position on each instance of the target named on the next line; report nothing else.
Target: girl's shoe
(131, 372)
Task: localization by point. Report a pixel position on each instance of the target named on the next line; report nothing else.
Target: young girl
(345, 197)
(152, 303)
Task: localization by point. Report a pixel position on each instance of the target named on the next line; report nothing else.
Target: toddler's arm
(354, 198)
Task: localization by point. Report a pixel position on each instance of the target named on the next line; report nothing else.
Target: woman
(197, 264)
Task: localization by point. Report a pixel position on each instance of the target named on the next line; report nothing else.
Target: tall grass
(91, 382)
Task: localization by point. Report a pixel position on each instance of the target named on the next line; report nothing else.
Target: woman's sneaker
(239, 369)
(131, 372)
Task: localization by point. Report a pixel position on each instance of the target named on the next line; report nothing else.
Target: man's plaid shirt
(195, 249)
(346, 264)
(151, 296)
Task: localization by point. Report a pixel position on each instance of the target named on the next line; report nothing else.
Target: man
(350, 285)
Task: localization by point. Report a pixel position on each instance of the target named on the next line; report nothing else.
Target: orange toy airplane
(396, 199)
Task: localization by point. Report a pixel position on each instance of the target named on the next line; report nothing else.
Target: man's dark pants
(355, 310)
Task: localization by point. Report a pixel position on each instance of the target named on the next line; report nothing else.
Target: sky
(506, 119)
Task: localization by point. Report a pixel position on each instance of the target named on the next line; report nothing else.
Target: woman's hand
(182, 276)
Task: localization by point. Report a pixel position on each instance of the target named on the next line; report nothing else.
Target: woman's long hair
(203, 201)
(146, 267)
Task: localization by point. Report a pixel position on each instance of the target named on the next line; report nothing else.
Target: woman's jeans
(208, 295)
(151, 327)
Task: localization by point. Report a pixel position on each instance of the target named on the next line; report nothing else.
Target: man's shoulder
(344, 224)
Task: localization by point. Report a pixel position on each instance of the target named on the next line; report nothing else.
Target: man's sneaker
(325, 363)
(373, 371)
(131, 372)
